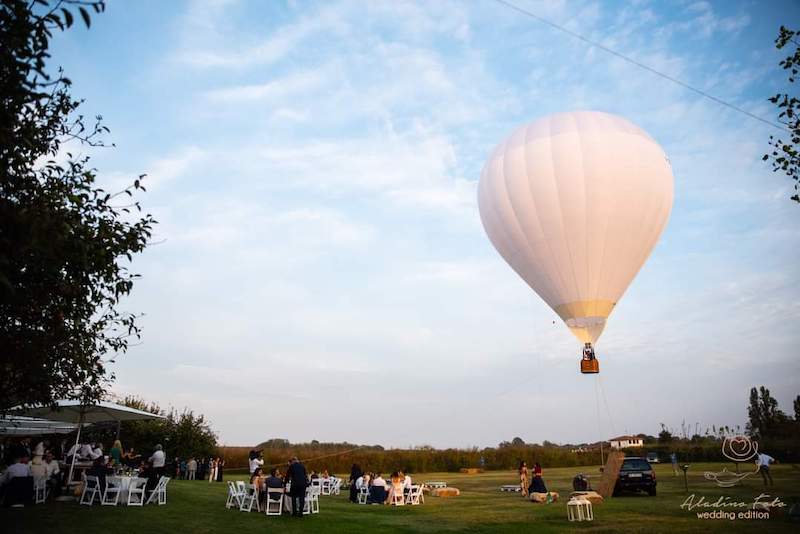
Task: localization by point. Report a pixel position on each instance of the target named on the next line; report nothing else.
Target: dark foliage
(182, 434)
(784, 154)
(64, 242)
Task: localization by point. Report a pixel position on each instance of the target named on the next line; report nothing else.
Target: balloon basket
(589, 367)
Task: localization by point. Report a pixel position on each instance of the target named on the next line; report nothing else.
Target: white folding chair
(363, 494)
(312, 500)
(414, 495)
(250, 498)
(325, 486)
(274, 507)
(233, 496)
(159, 493)
(241, 488)
(111, 493)
(136, 491)
(336, 487)
(397, 499)
(40, 490)
(91, 490)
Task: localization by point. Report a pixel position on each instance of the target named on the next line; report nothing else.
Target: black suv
(636, 474)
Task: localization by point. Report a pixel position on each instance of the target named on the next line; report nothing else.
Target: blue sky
(322, 272)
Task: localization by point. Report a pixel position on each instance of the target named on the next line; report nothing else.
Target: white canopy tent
(72, 411)
(15, 425)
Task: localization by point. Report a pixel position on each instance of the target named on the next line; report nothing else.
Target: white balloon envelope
(575, 203)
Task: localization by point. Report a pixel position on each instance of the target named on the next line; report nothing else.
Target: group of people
(531, 481)
(296, 479)
(379, 491)
(24, 467)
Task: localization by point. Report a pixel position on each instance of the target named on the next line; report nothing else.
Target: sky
(320, 270)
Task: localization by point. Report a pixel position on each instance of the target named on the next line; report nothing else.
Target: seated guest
(20, 468)
(377, 490)
(52, 473)
(314, 475)
(274, 479)
(149, 472)
(16, 484)
(406, 481)
(100, 470)
(537, 483)
(396, 487)
(273, 482)
(258, 478)
(325, 474)
(130, 458)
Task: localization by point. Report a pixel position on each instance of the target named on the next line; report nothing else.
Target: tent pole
(77, 441)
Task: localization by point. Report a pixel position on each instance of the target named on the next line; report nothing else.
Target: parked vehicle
(652, 457)
(636, 474)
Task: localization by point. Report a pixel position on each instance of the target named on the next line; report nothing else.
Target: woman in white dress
(212, 468)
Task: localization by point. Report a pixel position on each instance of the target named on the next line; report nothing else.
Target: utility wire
(639, 64)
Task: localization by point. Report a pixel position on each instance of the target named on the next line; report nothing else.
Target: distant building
(626, 442)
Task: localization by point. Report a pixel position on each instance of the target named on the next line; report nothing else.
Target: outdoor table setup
(436, 484)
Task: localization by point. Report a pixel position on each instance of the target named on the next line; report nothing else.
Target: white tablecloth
(124, 487)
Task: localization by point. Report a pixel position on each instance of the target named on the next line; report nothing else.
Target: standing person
(220, 465)
(212, 469)
(116, 453)
(523, 478)
(763, 462)
(674, 459)
(256, 460)
(191, 468)
(159, 459)
(297, 475)
(202, 468)
(183, 468)
(355, 474)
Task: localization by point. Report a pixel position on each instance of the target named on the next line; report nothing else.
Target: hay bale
(542, 497)
(470, 470)
(445, 492)
(591, 496)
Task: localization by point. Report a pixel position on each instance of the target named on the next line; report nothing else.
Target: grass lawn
(197, 507)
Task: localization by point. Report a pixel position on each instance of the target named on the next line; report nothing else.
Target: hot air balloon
(574, 203)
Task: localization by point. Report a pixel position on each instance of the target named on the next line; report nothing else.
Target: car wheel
(652, 492)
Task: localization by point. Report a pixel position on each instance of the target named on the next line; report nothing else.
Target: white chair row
(136, 491)
(245, 497)
(415, 495)
(328, 486)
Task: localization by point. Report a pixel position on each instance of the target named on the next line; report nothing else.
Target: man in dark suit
(296, 474)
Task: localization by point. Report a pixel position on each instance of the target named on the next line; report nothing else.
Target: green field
(199, 507)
